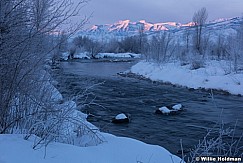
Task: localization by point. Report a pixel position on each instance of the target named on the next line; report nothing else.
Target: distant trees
(160, 48)
(219, 48)
(199, 18)
(131, 44)
(61, 43)
(187, 35)
(83, 43)
(142, 39)
(113, 46)
(240, 33)
(230, 48)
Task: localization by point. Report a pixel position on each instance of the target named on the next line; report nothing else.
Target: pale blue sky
(110, 11)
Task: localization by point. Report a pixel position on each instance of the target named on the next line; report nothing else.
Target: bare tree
(187, 35)
(27, 29)
(61, 44)
(233, 49)
(240, 38)
(160, 48)
(131, 44)
(141, 38)
(199, 18)
(219, 48)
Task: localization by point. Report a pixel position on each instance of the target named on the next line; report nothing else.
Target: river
(108, 94)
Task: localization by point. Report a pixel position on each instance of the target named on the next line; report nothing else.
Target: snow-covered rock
(177, 107)
(169, 110)
(164, 110)
(121, 118)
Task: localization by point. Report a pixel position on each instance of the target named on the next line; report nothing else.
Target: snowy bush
(44, 114)
(196, 64)
(66, 125)
(219, 141)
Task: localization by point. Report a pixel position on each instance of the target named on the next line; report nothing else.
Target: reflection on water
(97, 69)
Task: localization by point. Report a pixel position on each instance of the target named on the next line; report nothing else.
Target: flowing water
(108, 94)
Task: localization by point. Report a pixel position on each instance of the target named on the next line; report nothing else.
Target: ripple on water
(141, 98)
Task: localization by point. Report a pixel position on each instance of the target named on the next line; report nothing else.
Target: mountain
(134, 27)
(128, 28)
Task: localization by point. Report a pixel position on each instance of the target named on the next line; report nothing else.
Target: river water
(108, 94)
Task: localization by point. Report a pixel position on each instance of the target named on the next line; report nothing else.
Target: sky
(181, 11)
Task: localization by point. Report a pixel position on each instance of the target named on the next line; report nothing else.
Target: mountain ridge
(130, 26)
(146, 26)
(124, 28)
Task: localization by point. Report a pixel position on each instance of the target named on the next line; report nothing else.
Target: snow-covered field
(14, 149)
(214, 75)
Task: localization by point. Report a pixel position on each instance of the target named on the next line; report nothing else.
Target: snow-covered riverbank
(14, 149)
(111, 149)
(85, 55)
(215, 75)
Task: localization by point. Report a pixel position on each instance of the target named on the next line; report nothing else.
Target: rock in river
(121, 118)
(169, 110)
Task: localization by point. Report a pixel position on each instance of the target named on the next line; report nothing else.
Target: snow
(165, 110)
(121, 116)
(82, 55)
(130, 26)
(85, 55)
(215, 75)
(65, 56)
(112, 149)
(126, 28)
(121, 25)
(118, 55)
(55, 94)
(15, 149)
(177, 107)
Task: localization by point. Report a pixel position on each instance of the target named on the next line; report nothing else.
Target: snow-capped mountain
(128, 28)
(133, 27)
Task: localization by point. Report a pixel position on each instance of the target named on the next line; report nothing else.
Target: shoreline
(211, 77)
(141, 77)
